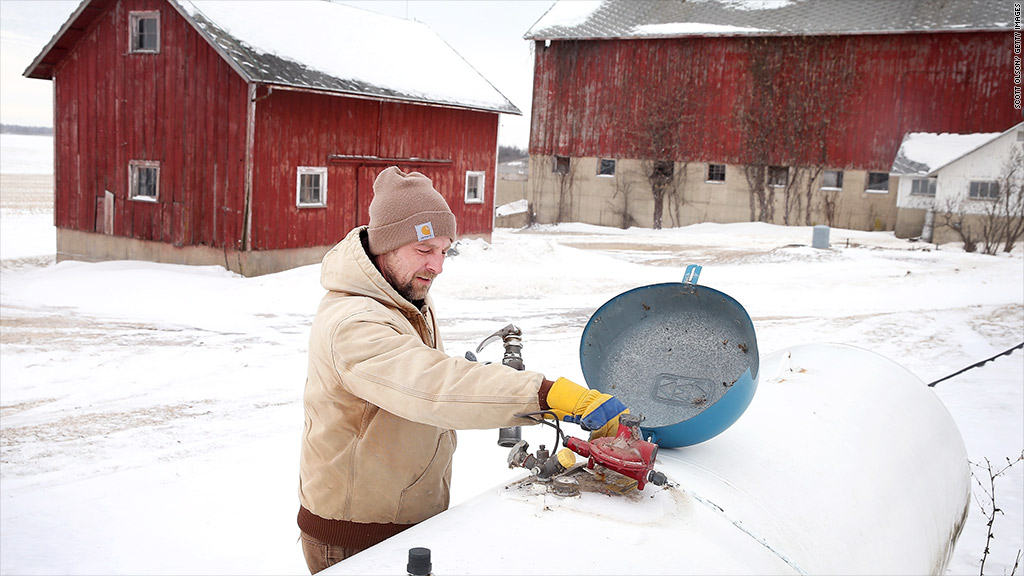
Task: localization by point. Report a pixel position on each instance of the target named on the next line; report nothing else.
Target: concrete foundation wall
(92, 247)
(625, 199)
(910, 222)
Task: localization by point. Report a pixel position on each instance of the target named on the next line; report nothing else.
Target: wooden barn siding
(594, 98)
(300, 128)
(183, 107)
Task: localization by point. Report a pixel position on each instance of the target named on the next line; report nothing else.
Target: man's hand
(590, 409)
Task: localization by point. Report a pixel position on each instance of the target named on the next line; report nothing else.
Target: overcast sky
(487, 33)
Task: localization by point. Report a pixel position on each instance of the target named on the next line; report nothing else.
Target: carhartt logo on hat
(424, 231)
(406, 208)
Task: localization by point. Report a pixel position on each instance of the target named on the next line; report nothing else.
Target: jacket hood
(347, 268)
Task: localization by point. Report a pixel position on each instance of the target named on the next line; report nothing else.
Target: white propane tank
(844, 463)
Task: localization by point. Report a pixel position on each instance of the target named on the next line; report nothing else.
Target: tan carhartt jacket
(382, 400)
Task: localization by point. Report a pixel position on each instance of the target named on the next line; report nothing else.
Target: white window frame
(561, 164)
(133, 180)
(133, 31)
(928, 184)
(718, 168)
(475, 196)
(320, 171)
(984, 190)
(601, 162)
(839, 180)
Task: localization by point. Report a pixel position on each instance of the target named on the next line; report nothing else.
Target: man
(382, 399)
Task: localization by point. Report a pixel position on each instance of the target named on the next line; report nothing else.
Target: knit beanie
(406, 208)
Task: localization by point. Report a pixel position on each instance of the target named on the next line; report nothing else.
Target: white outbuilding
(955, 177)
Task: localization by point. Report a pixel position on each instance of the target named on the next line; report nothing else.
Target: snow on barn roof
(921, 153)
(330, 46)
(320, 45)
(605, 19)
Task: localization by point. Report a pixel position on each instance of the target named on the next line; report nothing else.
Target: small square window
(716, 172)
(144, 180)
(311, 187)
(878, 182)
(832, 179)
(982, 190)
(475, 187)
(922, 186)
(144, 31)
(778, 176)
(606, 167)
(561, 165)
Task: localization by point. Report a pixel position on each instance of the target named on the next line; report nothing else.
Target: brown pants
(319, 555)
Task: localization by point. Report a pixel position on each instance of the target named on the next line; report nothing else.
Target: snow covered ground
(150, 414)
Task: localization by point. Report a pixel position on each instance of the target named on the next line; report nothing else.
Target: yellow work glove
(593, 410)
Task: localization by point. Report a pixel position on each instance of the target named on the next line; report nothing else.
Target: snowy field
(150, 414)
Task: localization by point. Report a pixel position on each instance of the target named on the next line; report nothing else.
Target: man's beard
(410, 292)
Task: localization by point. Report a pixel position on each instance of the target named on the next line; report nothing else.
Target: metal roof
(262, 62)
(924, 153)
(610, 19)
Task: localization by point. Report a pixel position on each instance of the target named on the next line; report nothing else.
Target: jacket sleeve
(378, 361)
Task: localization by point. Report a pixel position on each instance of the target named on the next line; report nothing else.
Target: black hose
(1006, 352)
(559, 436)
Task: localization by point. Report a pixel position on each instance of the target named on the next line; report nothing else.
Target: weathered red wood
(593, 98)
(187, 109)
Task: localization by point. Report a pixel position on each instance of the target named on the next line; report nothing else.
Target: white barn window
(311, 187)
(984, 190)
(922, 186)
(475, 187)
(144, 180)
(144, 32)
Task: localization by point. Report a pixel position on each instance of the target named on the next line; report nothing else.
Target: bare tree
(675, 195)
(788, 110)
(998, 219)
(659, 143)
(540, 167)
(809, 177)
(988, 506)
(762, 197)
(1008, 208)
(764, 123)
(792, 201)
(660, 175)
(625, 186)
(829, 200)
(954, 217)
(565, 179)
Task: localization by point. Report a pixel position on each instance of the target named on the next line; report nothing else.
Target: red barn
(248, 134)
(786, 111)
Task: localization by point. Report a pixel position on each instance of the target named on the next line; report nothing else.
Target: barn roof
(608, 19)
(317, 45)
